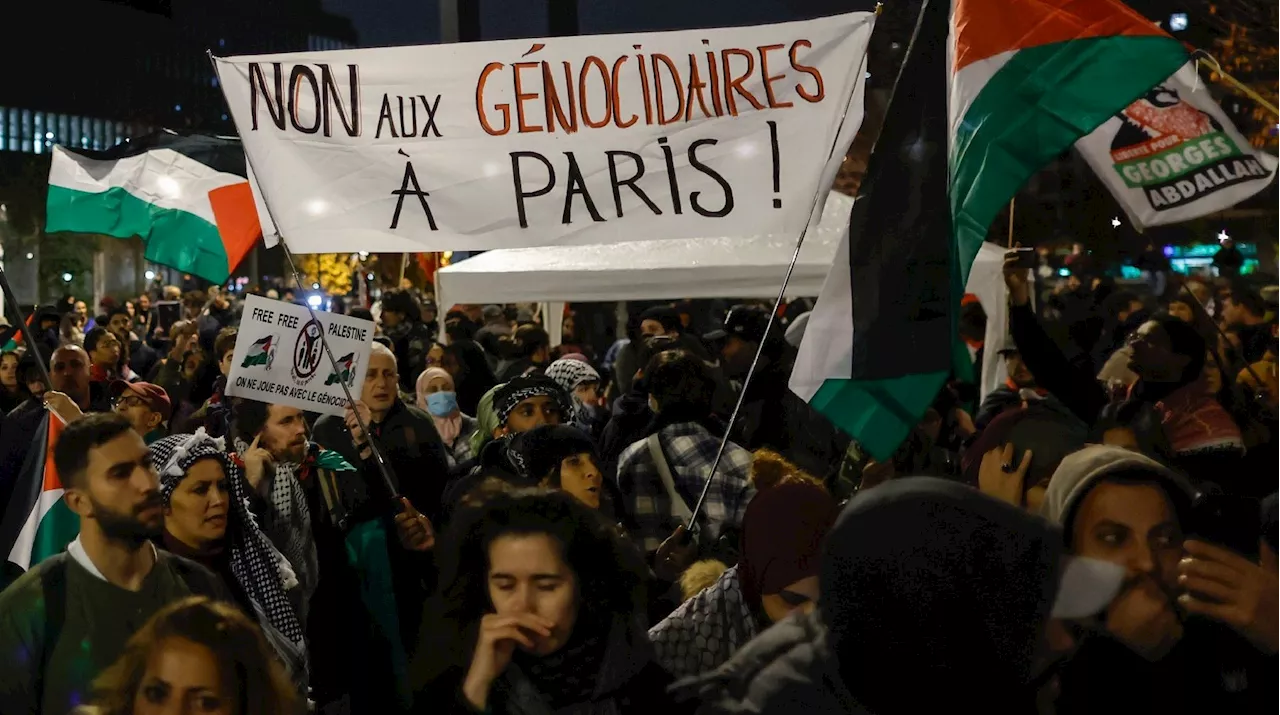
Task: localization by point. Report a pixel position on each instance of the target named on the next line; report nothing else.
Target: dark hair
(1248, 299)
(530, 339)
(667, 317)
(460, 327)
(361, 313)
(79, 438)
(404, 303)
(93, 337)
(195, 299)
(677, 379)
(119, 310)
(1118, 302)
(225, 341)
(248, 417)
(610, 572)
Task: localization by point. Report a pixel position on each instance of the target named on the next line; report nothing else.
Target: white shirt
(76, 551)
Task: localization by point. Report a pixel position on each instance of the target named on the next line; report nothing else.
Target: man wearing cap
(495, 323)
(1117, 505)
(145, 405)
(1019, 388)
(772, 416)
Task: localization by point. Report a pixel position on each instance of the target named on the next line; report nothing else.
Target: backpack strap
(679, 508)
(53, 583)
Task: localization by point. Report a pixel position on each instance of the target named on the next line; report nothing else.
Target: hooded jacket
(919, 576)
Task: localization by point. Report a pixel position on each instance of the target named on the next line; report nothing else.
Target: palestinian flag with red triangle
(990, 92)
(186, 196)
(37, 523)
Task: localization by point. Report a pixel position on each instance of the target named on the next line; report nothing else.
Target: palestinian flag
(37, 523)
(260, 352)
(992, 90)
(185, 195)
(346, 364)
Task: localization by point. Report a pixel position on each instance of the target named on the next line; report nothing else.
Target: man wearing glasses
(146, 406)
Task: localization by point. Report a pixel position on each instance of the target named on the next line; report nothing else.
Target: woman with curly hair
(541, 608)
(195, 656)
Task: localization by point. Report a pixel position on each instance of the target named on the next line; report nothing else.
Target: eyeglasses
(129, 402)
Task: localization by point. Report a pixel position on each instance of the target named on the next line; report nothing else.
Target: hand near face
(353, 426)
(414, 529)
(257, 462)
(1143, 619)
(999, 477)
(499, 636)
(1227, 587)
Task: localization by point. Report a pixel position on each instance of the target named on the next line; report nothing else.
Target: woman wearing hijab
(472, 375)
(776, 574)
(437, 396)
(540, 610)
(207, 520)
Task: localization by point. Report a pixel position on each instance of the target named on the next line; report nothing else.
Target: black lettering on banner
(521, 194)
(258, 84)
(671, 175)
(728, 190)
(384, 117)
(431, 109)
(410, 177)
(412, 129)
(351, 124)
(296, 77)
(629, 183)
(577, 185)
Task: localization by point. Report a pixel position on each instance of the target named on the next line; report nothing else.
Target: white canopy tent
(741, 267)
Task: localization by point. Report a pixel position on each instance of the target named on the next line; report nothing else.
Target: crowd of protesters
(503, 523)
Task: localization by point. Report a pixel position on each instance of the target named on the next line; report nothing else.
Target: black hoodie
(933, 596)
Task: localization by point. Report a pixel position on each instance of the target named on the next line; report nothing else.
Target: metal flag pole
(773, 314)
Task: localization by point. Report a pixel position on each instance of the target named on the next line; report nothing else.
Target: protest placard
(1174, 155)
(555, 141)
(279, 358)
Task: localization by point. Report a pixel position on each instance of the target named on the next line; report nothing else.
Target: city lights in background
(151, 275)
(1178, 22)
(314, 301)
(30, 255)
(66, 277)
(1222, 236)
(1115, 222)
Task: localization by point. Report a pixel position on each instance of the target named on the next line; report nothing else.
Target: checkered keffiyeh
(690, 450)
(523, 388)
(261, 572)
(706, 630)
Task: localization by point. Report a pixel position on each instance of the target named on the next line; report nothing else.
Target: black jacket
(919, 576)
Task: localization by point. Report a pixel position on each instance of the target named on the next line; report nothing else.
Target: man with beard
(313, 505)
(68, 618)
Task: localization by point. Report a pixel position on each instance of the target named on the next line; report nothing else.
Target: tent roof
(742, 267)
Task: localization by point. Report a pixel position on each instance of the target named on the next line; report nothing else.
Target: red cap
(154, 395)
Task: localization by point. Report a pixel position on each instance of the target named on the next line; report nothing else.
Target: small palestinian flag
(261, 352)
(990, 91)
(186, 196)
(346, 366)
(37, 523)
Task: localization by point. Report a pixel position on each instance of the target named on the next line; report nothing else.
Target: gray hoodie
(1080, 470)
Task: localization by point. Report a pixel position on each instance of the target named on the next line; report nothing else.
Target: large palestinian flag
(37, 523)
(990, 92)
(185, 195)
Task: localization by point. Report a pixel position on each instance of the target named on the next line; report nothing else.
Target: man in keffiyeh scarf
(581, 382)
(261, 575)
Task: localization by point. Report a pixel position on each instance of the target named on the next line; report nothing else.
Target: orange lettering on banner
(695, 85)
(555, 112)
(596, 62)
(504, 109)
(522, 96)
(675, 78)
(734, 84)
(617, 97)
(816, 96)
(770, 79)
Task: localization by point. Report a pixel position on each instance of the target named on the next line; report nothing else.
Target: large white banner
(279, 358)
(554, 141)
(1173, 155)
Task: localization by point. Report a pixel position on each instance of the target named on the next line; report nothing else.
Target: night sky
(408, 22)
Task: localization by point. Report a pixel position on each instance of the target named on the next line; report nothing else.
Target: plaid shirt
(690, 450)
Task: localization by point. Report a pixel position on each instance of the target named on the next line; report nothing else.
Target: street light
(1115, 222)
(30, 256)
(151, 275)
(1223, 237)
(66, 277)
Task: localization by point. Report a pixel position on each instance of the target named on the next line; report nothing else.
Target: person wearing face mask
(974, 598)
(194, 656)
(777, 573)
(437, 396)
(206, 520)
(1119, 506)
(541, 610)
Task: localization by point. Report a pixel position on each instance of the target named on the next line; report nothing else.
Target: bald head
(69, 370)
